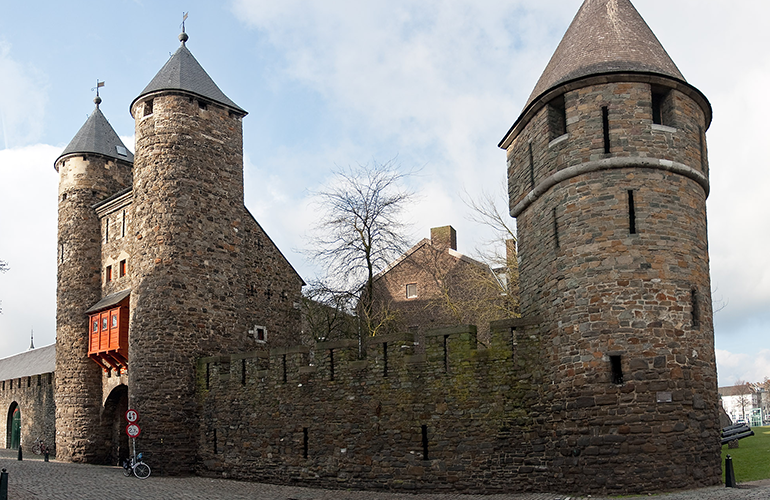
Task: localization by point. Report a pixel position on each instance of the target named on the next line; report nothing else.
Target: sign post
(132, 429)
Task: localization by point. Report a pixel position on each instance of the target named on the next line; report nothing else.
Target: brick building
(433, 285)
(173, 301)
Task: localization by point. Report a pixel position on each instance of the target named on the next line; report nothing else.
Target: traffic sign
(132, 416)
(133, 430)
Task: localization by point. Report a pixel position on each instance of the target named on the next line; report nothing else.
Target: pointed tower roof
(606, 36)
(97, 136)
(183, 72)
(607, 39)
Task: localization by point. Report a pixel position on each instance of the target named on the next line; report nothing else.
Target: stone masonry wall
(34, 397)
(352, 423)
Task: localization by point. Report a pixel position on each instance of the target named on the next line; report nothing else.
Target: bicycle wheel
(127, 471)
(142, 470)
(37, 449)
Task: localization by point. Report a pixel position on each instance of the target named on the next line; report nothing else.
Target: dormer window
(662, 107)
(148, 107)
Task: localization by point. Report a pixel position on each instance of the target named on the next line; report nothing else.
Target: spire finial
(183, 36)
(31, 339)
(97, 99)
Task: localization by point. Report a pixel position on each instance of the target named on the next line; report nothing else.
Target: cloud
(28, 194)
(732, 367)
(23, 98)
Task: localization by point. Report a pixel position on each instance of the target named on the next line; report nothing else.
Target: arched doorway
(113, 423)
(13, 435)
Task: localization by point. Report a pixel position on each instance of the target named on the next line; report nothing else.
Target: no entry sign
(133, 430)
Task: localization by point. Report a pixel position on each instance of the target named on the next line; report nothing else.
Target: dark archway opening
(113, 413)
(13, 427)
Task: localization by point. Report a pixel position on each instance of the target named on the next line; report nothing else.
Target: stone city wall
(452, 418)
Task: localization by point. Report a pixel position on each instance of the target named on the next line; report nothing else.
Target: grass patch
(751, 461)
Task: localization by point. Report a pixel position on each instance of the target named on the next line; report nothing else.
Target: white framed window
(260, 333)
(411, 290)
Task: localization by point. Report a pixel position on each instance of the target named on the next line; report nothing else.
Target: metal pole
(729, 473)
(4, 485)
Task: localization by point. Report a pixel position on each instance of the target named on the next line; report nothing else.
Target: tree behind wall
(360, 231)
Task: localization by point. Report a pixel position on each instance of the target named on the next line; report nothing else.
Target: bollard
(45, 454)
(4, 485)
(20, 458)
(729, 473)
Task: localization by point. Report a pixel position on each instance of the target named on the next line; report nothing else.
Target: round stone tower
(95, 165)
(608, 179)
(188, 208)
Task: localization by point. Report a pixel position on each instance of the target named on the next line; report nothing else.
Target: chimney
(444, 237)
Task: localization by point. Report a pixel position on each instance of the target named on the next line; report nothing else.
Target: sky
(431, 84)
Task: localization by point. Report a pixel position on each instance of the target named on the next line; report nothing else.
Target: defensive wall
(33, 395)
(454, 417)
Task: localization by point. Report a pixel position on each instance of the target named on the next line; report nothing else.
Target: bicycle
(136, 467)
(39, 447)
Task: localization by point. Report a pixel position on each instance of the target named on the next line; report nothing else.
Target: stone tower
(188, 219)
(92, 167)
(608, 179)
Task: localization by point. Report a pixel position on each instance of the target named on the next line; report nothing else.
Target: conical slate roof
(606, 36)
(183, 72)
(97, 136)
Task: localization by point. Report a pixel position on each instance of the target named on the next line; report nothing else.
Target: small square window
(260, 333)
(411, 290)
(108, 274)
(122, 271)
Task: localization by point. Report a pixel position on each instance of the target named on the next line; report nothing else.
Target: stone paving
(34, 479)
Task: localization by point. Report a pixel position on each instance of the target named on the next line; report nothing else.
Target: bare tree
(743, 391)
(360, 232)
(499, 252)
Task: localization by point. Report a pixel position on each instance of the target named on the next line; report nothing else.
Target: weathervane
(98, 86)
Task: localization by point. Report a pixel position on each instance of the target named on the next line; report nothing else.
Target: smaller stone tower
(94, 165)
(608, 179)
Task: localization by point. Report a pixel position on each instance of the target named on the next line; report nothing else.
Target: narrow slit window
(285, 375)
(446, 353)
(106, 230)
(384, 359)
(108, 274)
(425, 442)
(148, 107)
(695, 313)
(631, 212)
(123, 225)
(657, 107)
(606, 128)
(215, 441)
(531, 167)
(555, 229)
(122, 268)
(617, 370)
(331, 364)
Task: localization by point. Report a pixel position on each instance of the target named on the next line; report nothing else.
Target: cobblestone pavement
(33, 479)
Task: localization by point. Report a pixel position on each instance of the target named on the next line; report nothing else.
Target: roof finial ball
(183, 36)
(97, 101)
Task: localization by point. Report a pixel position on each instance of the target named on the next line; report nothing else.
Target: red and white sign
(133, 430)
(132, 416)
